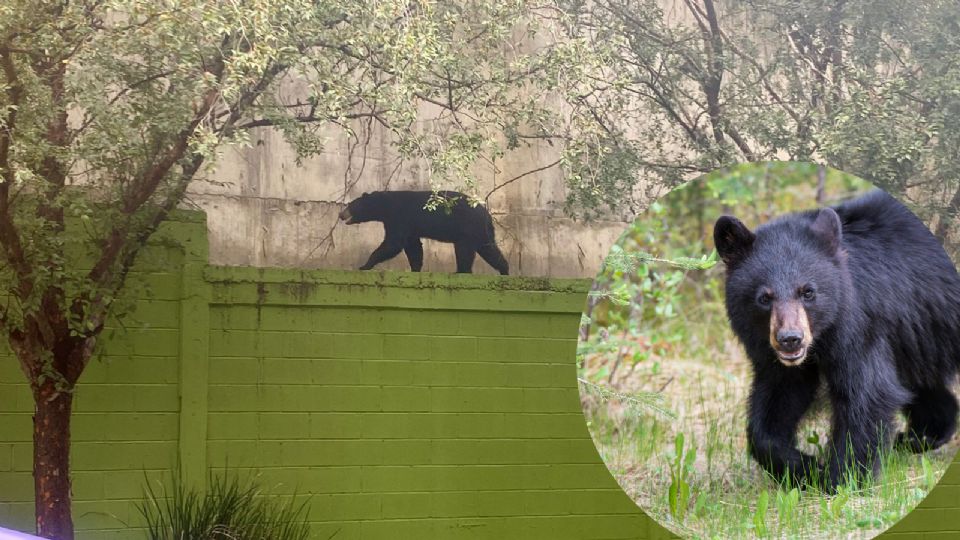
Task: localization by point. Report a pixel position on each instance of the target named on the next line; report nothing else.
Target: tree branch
(89, 119)
(122, 247)
(518, 177)
(306, 119)
(714, 77)
(9, 235)
(51, 169)
(713, 44)
(147, 185)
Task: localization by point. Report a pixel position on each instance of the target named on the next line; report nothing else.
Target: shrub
(231, 509)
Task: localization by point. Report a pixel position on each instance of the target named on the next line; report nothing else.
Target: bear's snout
(345, 215)
(789, 340)
(790, 332)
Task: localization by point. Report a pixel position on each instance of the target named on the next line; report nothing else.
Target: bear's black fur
(860, 298)
(406, 221)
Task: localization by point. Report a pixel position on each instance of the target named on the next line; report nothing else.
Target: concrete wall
(265, 210)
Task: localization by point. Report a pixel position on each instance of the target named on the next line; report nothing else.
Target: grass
(231, 509)
(671, 429)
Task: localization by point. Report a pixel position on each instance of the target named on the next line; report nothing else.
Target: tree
(109, 109)
(687, 86)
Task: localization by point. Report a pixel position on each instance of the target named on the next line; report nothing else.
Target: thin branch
(713, 43)
(247, 98)
(762, 73)
(117, 238)
(120, 94)
(307, 119)
(123, 244)
(519, 176)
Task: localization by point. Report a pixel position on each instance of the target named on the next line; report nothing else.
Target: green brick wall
(401, 405)
(427, 406)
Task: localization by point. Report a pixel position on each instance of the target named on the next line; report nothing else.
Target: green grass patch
(672, 431)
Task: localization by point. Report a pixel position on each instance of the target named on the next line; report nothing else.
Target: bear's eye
(764, 299)
(808, 293)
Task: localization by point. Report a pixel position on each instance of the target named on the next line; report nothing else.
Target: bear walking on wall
(860, 298)
(406, 221)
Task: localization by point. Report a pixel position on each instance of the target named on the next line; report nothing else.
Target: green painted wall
(410, 406)
(402, 405)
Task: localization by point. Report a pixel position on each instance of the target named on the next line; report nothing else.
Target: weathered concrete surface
(265, 210)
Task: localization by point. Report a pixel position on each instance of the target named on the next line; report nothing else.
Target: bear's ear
(733, 240)
(827, 228)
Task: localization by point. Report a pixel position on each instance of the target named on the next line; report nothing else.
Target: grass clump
(231, 509)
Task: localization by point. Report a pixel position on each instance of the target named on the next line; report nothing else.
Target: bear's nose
(789, 340)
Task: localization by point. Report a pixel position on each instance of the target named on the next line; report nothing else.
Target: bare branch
(519, 176)
(306, 119)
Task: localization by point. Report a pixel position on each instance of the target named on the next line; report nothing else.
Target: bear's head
(362, 209)
(786, 282)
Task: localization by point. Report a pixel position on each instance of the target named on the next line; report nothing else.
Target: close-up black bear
(406, 220)
(860, 298)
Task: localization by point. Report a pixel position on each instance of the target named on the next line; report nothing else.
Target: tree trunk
(51, 461)
(821, 184)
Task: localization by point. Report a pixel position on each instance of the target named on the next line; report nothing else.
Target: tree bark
(51, 461)
(821, 183)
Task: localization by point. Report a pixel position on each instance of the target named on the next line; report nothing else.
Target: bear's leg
(414, 251)
(865, 395)
(860, 432)
(465, 253)
(778, 400)
(494, 257)
(385, 251)
(932, 419)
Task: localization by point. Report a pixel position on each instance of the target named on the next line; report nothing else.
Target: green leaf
(760, 514)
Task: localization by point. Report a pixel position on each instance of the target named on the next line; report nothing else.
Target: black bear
(406, 221)
(860, 298)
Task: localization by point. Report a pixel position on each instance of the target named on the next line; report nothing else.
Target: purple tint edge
(7, 534)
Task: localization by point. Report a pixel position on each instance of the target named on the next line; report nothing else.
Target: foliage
(787, 501)
(230, 509)
(685, 87)
(835, 507)
(929, 476)
(635, 287)
(638, 403)
(682, 466)
(760, 515)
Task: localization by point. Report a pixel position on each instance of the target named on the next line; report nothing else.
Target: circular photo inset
(771, 351)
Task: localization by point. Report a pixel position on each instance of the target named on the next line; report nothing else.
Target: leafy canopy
(871, 88)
